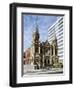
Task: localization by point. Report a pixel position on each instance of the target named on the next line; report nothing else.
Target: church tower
(35, 40)
(36, 47)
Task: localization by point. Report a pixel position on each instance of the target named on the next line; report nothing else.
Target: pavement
(44, 71)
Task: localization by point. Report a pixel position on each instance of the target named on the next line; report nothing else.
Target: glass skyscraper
(57, 29)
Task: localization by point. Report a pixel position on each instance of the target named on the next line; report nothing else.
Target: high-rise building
(57, 29)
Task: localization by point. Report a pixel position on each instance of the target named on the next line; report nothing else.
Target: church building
(44, 54)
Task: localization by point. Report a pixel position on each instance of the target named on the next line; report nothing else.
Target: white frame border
(49, 78)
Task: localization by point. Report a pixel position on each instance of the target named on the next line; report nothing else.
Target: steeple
(35, 34)
(37, 31)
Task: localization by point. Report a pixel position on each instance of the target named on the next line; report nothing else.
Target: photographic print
(43, 44)
(40, 44)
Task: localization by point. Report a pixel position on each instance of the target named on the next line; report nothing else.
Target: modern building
(57, 29)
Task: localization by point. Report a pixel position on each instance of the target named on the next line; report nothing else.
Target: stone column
(39, 49)
(54, 50)
(43, 61)
(51, 55)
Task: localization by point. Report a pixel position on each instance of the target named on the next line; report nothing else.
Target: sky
(29, 25)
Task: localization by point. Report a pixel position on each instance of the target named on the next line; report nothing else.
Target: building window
(60, 20)
(60, 30)
(60, 23)
(60, 38)
(60, 26)
(60, 34)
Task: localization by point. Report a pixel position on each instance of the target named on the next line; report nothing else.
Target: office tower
(57, 29)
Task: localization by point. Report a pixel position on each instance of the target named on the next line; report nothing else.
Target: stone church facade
(43, 54)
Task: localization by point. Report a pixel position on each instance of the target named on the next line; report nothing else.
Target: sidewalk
(44, 71)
